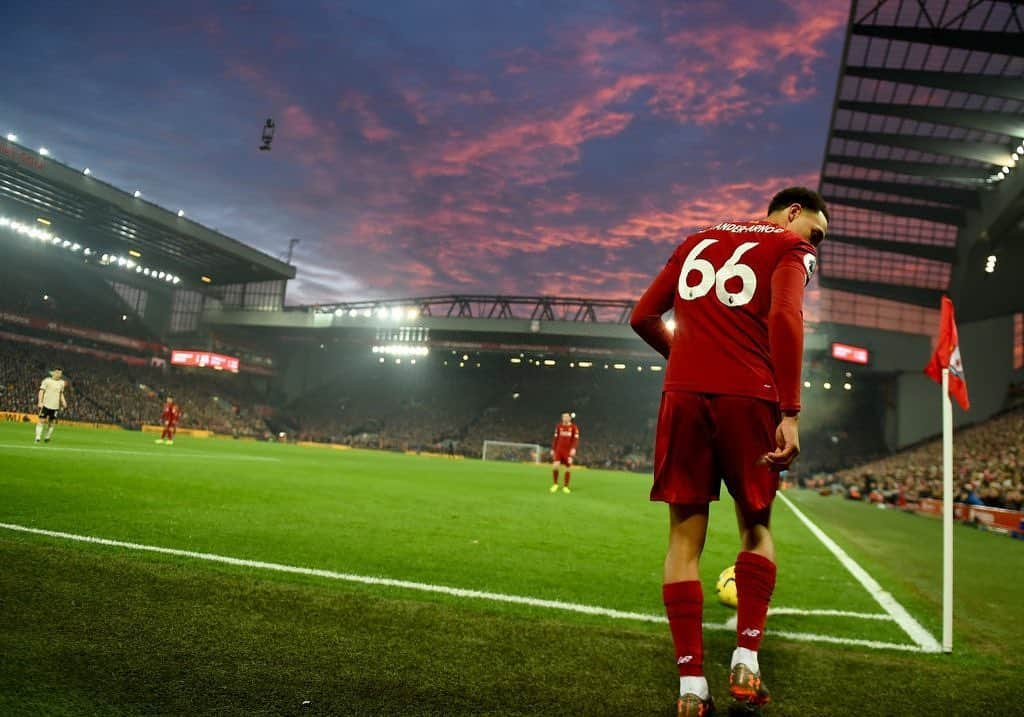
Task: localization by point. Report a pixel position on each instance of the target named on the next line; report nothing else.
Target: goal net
(514, 452)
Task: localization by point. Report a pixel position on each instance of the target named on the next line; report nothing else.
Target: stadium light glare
(412, 314)
(656, 368)
(138, 270)
(43, 220)
(382, 313)
(827, 386)
(86, 171)
(11, 137)
(205, 279)
(847, 386)
(619, 366)
(145, 270)
(353, 313)
(161, 275)
(462, 364)
(401, 350)
(87, 251)
(338, 312)
(134, 253)
(44, 152)
(515, 360)
(671, 325)
(807, 384)
(396, 312)
(76, 246)
(549, 362)
(465, 357)
(381, 359)
(585, 364)
(367, 313)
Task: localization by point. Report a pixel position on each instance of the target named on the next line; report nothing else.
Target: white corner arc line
(427, 587)
(829, 613)
(925, 641)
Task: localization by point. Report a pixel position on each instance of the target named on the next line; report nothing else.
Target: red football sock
(164, 434)
(755, 582)
(554, 474)
(684, 605)
(567, 479)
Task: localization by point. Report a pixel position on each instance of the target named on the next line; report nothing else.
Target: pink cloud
(371, 127)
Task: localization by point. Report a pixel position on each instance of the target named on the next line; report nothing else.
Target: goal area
(512, 452)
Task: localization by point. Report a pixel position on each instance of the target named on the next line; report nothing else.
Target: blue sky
(436, 147)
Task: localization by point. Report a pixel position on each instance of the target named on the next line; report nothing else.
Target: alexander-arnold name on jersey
(747, 228)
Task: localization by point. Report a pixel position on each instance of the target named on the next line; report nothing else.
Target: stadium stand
(990, 468)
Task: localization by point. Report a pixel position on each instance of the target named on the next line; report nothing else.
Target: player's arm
(63, 401)
(575, 440)
(39, 398)
(554, 441)
(646, 317)
(786, 344)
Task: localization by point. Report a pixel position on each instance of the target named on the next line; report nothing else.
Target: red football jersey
(566, 438)
(171, 413)
(737, 294)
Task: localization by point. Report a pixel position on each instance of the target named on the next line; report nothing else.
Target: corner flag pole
(947, 515)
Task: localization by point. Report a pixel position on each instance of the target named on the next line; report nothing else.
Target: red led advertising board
(204, 359)
(853, 354)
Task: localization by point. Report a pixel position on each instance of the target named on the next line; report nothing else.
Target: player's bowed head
(801, 211)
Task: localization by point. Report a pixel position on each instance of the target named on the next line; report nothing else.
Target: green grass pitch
(89, 629)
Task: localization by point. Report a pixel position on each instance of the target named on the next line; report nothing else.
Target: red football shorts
(703, 439)
(564, 458)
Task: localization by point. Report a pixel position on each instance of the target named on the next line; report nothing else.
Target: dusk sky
(425, 148)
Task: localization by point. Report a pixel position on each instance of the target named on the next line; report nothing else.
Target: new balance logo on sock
(751, 632)
(684, 659)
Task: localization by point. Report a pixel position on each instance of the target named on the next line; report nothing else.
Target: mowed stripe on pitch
(463, 592)
(160, 453)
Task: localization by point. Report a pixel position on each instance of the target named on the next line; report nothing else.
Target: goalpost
(508, 451)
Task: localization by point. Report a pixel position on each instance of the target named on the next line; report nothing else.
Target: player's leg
(51, 423)
(685, 477)
(567, 462)
(39, 427)
(554, 473)
(172, 428)
(747, 432)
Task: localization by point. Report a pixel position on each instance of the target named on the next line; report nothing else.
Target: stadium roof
(87, 210)
(921, 166)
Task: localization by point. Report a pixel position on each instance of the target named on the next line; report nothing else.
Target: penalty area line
(925, 641)
(428, 587)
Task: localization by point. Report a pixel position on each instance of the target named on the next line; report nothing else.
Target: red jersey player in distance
(563, 449)
(729, 410)
(169, 418)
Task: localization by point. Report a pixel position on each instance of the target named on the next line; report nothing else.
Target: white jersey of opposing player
(52, 389)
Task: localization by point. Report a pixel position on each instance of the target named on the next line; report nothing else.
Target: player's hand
(787, 440)
(572, 453)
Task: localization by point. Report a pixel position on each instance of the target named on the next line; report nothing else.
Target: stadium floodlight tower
(509, 451)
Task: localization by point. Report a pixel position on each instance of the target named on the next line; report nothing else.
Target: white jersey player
(51, 400)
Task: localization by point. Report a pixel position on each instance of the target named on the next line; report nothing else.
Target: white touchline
(160, 453)
(924, 639)
(427, 587)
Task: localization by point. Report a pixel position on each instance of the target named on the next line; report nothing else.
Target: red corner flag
(947, 355)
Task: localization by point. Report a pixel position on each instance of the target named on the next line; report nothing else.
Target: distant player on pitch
(729, 410)
(51, 399)
(169, 418)
(563, 449)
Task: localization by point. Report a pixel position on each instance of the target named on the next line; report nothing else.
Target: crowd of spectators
(988, 468)
(429, 408)
(109, 391)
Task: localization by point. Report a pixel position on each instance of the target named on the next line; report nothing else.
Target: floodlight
(136, 194)
(44, 151)
(181, 212)
(12, 137)
(86, 172)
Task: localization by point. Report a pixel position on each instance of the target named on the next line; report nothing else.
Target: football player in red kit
(563, 449)
(170, 417)
(729, 410)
